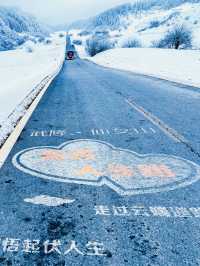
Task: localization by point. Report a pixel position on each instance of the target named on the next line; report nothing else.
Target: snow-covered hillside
(21, 71)
(175, 65)
(145, 20)
(16, 27)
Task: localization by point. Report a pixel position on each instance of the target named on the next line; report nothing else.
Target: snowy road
(106, 172)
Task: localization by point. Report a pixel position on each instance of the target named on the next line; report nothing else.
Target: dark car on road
(71, 52)
(70, 55)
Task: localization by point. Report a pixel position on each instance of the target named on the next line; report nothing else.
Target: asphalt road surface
(106, 172)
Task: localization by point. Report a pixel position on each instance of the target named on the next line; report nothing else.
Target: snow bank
(22, 74)
(181, 66)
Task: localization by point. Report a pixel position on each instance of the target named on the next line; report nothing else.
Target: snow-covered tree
(133, 42)
(178, 37)
(96, 45)
(16, 27)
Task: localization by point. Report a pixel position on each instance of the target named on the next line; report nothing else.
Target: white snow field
(21, 75)
(182, 66)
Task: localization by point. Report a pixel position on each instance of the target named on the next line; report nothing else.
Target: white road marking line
(173, 134)
(102, 131)
(153, 130)
(49, 201)
(107, 131)
(147, 211)
(137, 132)
(95, 163)
(145, 132)
(97, 132)
(94, 132)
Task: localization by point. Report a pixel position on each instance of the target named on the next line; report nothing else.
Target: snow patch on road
(180, 66)
(49, 201)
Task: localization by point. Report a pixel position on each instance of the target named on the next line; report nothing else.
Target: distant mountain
(112, 17)
(16, 27)
(79, 24)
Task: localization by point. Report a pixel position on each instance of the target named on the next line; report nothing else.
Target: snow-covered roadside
(182, 66)
(22, 76)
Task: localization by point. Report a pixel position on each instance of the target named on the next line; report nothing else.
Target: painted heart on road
(97, 163)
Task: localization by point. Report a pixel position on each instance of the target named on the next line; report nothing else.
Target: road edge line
(11, 140)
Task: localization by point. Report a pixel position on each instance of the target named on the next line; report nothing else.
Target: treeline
(16, 27)
(112, 17)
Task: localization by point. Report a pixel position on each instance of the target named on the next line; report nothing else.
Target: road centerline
(167, 130)
(173, 134)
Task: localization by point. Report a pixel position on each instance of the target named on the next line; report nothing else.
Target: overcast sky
(63, 11)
